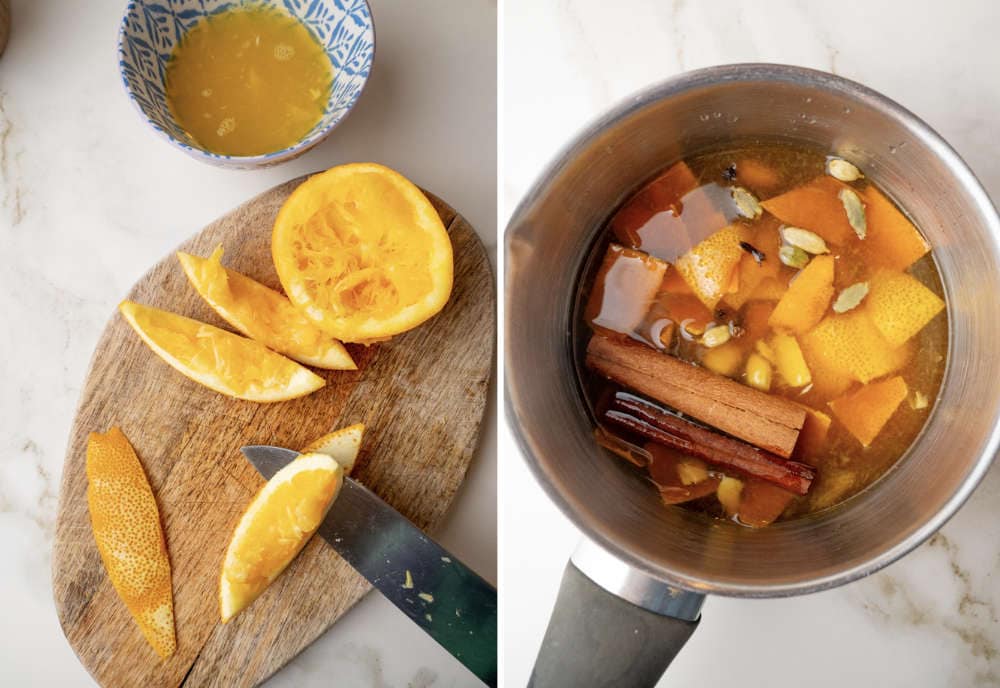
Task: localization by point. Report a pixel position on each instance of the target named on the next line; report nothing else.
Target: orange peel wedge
(126, 525)
(263, 314)
(275, 527)
(220, 360)
(341, 445)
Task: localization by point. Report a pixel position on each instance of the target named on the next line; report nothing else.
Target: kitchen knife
(453, 605)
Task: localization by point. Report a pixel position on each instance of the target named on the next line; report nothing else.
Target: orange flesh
(346, 280)
(362, 252)
(897, 333)
(276, 535)
(275, 527)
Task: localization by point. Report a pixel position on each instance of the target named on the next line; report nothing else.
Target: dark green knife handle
(599, 640)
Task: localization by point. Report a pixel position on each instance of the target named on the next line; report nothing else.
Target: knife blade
(447, 599)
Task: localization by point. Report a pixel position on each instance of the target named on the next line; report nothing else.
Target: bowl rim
(623, 109)
(248, 161)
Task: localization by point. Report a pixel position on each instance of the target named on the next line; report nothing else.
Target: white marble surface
(90, 198)
(928, 620)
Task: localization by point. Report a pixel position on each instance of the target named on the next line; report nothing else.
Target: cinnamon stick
(769, 422)
(659, 425)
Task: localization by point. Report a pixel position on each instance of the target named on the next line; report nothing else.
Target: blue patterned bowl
(151, 28)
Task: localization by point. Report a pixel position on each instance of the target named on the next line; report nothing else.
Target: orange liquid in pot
(685, 255)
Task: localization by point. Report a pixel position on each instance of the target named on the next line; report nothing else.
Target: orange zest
(767, 240)
(900, 306)
(708, 267)
(866, 411)
(814, 206)
(892, 242)
(807, 298)
(852, 347)
(126, 525)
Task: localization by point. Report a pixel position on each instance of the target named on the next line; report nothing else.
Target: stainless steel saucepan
(631, 595)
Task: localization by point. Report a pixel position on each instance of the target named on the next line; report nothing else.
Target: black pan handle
(622, 639)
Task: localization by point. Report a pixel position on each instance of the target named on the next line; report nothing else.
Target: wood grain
(422, 396)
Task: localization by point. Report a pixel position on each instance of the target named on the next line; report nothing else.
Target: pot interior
(552, 232)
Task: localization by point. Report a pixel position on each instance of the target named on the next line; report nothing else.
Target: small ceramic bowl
(151, 28)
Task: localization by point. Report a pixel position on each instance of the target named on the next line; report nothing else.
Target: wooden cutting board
(422, 396)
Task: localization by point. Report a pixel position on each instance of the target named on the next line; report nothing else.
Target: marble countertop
(90, 198)
(931, 619)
